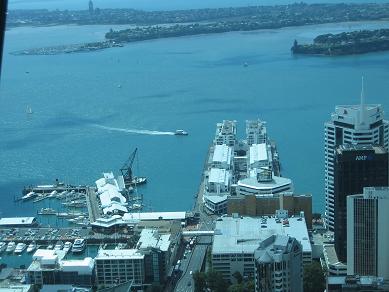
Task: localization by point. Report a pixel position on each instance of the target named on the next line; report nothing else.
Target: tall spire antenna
(362, 113)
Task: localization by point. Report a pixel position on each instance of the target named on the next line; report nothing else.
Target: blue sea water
(84, 124)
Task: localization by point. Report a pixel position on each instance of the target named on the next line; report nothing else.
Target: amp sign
(361, 157)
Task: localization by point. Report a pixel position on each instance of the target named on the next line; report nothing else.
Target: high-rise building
(368, 233)
(225, 133)
(91, 9)
(350, 124)
(355, 167)
(279, 264)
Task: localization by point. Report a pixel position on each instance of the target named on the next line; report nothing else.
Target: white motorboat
(67, 246)
(3, 246)
(79, 245)
(20, 247)
(31, 247)
(11, 246)
(58, 246)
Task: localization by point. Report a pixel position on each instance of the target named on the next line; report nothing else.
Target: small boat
(3, 246)
(29, 110)
(245, 64)
(31, 247)
(121, 246)
(67, 246)
(20, 247)
(11, 247)
(58, 246)
(47, 211)
(79, 245)
(136, 206)
(138, 180)
(181, 133)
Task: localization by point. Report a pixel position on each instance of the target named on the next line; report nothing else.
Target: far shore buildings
(244, 176)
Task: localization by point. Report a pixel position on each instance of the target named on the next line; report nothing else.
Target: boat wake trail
(134, 131)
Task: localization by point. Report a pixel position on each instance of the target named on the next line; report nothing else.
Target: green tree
(199, 281)
(236, 288)
(238, 277)
(314, 280)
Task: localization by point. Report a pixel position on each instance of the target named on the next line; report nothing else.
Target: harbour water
(84, 123)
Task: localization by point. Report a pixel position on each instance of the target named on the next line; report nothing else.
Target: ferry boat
(20, 247)
(67, 246)
(31, 247)
(181, 133)
(47, 211)
(58, 246)
(78, 245)
(3, 246)
(11, 246)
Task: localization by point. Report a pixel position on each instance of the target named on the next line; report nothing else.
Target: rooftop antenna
(362, 112)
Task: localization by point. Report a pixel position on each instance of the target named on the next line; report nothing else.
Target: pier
(92, 204)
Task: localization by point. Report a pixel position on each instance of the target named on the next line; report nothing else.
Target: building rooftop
(106, 254)
(152, 238)
(276, 182)
(331, 258)
(216, 199)
(16, 288)
(361, 116)
(17, 221)
(219, 176)
(83, 266)
(244, 234)
(154, 216)
(258, 152)
(351, 147)
(222, 154)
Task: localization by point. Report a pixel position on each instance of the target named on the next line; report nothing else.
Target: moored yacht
(11, 246)
(20, 247)
(3, 246)
(31, 247)
(58, 245)
(67, 246)
(79, 245)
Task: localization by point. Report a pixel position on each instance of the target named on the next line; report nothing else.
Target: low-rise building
(267, 205)
(262, 182)
(114, 266)
(49, 267)
(149, 262)
(237, 238)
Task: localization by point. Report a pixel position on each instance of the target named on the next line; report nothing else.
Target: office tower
(350, 124)
(355, 167)
(90, 4)
(368, 233)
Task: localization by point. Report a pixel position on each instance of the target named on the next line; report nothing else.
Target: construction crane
(126, 170)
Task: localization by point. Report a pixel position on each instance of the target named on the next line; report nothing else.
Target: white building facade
(350, 124)
(368, 233)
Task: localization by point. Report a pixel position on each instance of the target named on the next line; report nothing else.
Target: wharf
(47, 189)
(46, 235)
(92, 204)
